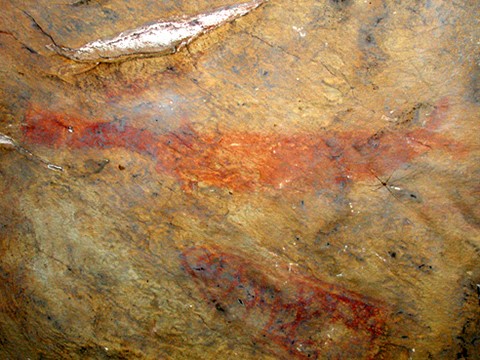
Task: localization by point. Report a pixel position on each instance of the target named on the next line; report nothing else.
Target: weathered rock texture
(302, 183)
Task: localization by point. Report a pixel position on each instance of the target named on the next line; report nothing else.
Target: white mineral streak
(160, 38)
(7, 140)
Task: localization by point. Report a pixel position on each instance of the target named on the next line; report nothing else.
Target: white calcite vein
(7, 140)
(155, 39)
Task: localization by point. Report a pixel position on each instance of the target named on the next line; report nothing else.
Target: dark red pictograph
(291, 314)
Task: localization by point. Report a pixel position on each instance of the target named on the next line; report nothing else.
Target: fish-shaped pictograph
(249, 161)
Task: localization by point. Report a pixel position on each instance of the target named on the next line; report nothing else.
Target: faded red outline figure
(304, 317)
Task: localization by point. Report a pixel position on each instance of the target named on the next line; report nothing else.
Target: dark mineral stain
(95, 166)
(475, 84)
(30, 50)
(304, 317)
(84, 2)
(341, 3)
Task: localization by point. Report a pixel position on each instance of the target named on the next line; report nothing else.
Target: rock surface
(302, 183)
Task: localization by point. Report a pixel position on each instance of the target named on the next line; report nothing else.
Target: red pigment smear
(304, 317)
(245, 161)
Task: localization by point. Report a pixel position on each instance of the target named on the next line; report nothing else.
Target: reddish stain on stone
(247, 161)
(120, 89)
(304, 317)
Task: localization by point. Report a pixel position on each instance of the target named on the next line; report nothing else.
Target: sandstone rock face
(301, 183)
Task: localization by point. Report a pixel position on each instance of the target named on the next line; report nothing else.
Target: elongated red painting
(245, 161)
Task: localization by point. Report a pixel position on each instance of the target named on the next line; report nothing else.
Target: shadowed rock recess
(299, 182)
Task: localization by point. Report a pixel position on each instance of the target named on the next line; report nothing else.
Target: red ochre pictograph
(301, 316)
(247, 161)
